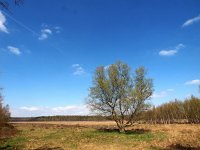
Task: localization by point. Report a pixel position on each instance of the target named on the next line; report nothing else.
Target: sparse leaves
(116, 93)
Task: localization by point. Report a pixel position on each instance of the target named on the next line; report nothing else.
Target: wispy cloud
(21, 24)
(72, 109)
(171, 52)
(57, 29)
(78, 69)
(45, 33)
(29, 111)
(159, 95)
(167, 52)
(14, 50)
(193, 82)
(48, 30)
(170, 90)
(162, 94)
(191, 21)
(30, 108)
(3, 28)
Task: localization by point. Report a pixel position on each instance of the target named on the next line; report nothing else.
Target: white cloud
(3, 28)
(45, 33)
(78, 69)
(193, 82)
(33, 111)
(167, 52)
(29, 108)
(162, 94)
(48, 30)
(14, 50)
(172, 51)
(191, 21)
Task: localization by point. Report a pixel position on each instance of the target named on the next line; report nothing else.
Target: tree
(118, 94)
(4, 111)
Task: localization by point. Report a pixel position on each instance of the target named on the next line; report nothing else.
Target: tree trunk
(122, 129)
(120, 126)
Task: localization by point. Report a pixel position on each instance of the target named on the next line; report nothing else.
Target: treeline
(4, 112)
(187, 111)
(61, 118)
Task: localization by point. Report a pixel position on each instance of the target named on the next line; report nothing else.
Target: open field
(102, 136)
(73, 123)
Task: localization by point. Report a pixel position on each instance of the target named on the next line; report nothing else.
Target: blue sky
(49, 51)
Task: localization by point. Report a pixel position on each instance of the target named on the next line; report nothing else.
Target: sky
(49, 50)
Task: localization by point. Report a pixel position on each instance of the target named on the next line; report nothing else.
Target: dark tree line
(62, 118)
(187, 111)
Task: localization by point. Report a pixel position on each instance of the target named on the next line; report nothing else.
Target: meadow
(93, 135)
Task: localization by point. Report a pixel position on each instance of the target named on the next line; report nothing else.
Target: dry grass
(179, 136)
(102, 136)
(72, 123)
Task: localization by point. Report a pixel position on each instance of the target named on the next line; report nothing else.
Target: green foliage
(117, 93)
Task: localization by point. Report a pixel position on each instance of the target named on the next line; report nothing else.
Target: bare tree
(4, 111)
(116, 93)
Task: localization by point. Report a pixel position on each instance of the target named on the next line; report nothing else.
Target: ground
(101, 136)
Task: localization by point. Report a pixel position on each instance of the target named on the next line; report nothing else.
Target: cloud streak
(14, 50)
(30, 108)
(162, 94)
(171, 52)
(3, 28)
(191, 21)
(193, 82)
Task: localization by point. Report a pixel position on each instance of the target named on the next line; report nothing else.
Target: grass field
(101, 136)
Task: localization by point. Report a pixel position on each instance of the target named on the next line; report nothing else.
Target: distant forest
(61, 118)
(187, 111)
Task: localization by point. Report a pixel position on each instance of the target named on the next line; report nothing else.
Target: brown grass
(72, 123)
(91, 135)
